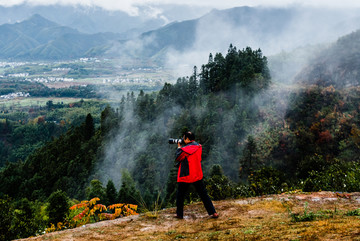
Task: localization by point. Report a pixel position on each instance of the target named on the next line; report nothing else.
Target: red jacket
(189, 158)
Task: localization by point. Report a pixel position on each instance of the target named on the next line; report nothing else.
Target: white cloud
(132, 6)
(10, 3)
(129, 6)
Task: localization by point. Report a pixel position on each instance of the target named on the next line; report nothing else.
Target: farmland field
(28, 102)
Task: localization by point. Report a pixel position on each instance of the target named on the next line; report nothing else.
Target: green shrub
(218, 185)
(5, 219)
(242, 190)
(267, 180)
(25, 222)
(341, 176)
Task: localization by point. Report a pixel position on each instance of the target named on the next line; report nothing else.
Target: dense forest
(25, 129)
(257, 139)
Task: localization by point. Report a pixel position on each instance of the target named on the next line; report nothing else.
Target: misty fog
(289, 37)
(273, 30)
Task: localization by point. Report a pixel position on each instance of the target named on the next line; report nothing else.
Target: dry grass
(261, 218)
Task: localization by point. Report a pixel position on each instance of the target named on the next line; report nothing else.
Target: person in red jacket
(189, 159)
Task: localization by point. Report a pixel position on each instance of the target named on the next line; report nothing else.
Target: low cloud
(133, 7)
(272, 30)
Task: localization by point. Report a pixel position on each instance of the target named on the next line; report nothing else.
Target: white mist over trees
(216, 102)
(274, 30)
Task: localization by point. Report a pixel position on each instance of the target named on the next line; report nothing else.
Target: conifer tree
(89, 129)
(96, 190)
(58, 207)
(171, 186)
(128, 192)
(250, 159)
(108, 121)
(110, 193)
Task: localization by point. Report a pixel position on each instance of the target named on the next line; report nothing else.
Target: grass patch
(304, 217)
(355, 212)
(180, 236)
(171, 232)
(308, 216)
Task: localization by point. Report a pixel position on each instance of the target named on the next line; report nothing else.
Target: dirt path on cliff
(322, 216)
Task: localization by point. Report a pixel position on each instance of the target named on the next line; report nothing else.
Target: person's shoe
(178, 217)
(215, 215)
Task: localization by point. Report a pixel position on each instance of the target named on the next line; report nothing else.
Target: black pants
(201, 190)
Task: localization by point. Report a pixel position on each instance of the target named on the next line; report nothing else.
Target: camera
(175, 141)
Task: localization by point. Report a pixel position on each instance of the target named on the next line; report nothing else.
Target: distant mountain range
(224, 26)
(40, 39)
(271, 29)
(91, 19)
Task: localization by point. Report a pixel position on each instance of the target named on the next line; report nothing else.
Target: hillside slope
(331, 216)
(337, 65)
(271, 29)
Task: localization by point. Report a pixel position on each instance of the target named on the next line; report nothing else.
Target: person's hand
(179, 145)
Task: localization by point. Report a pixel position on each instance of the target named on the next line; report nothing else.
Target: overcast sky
(131, 6)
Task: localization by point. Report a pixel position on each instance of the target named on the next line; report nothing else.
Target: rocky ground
(294, 216)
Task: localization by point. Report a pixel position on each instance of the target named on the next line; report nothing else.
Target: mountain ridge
(336, 65)
(92, 19)
(38, 38)
(271, 29)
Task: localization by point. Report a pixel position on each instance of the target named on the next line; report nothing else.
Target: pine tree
(89, 129)
(128, 192)
(171, 186)
(110, 193)
(58, 207)
(193, 87)
(96, 190)
(108, 120)
(250, 159)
